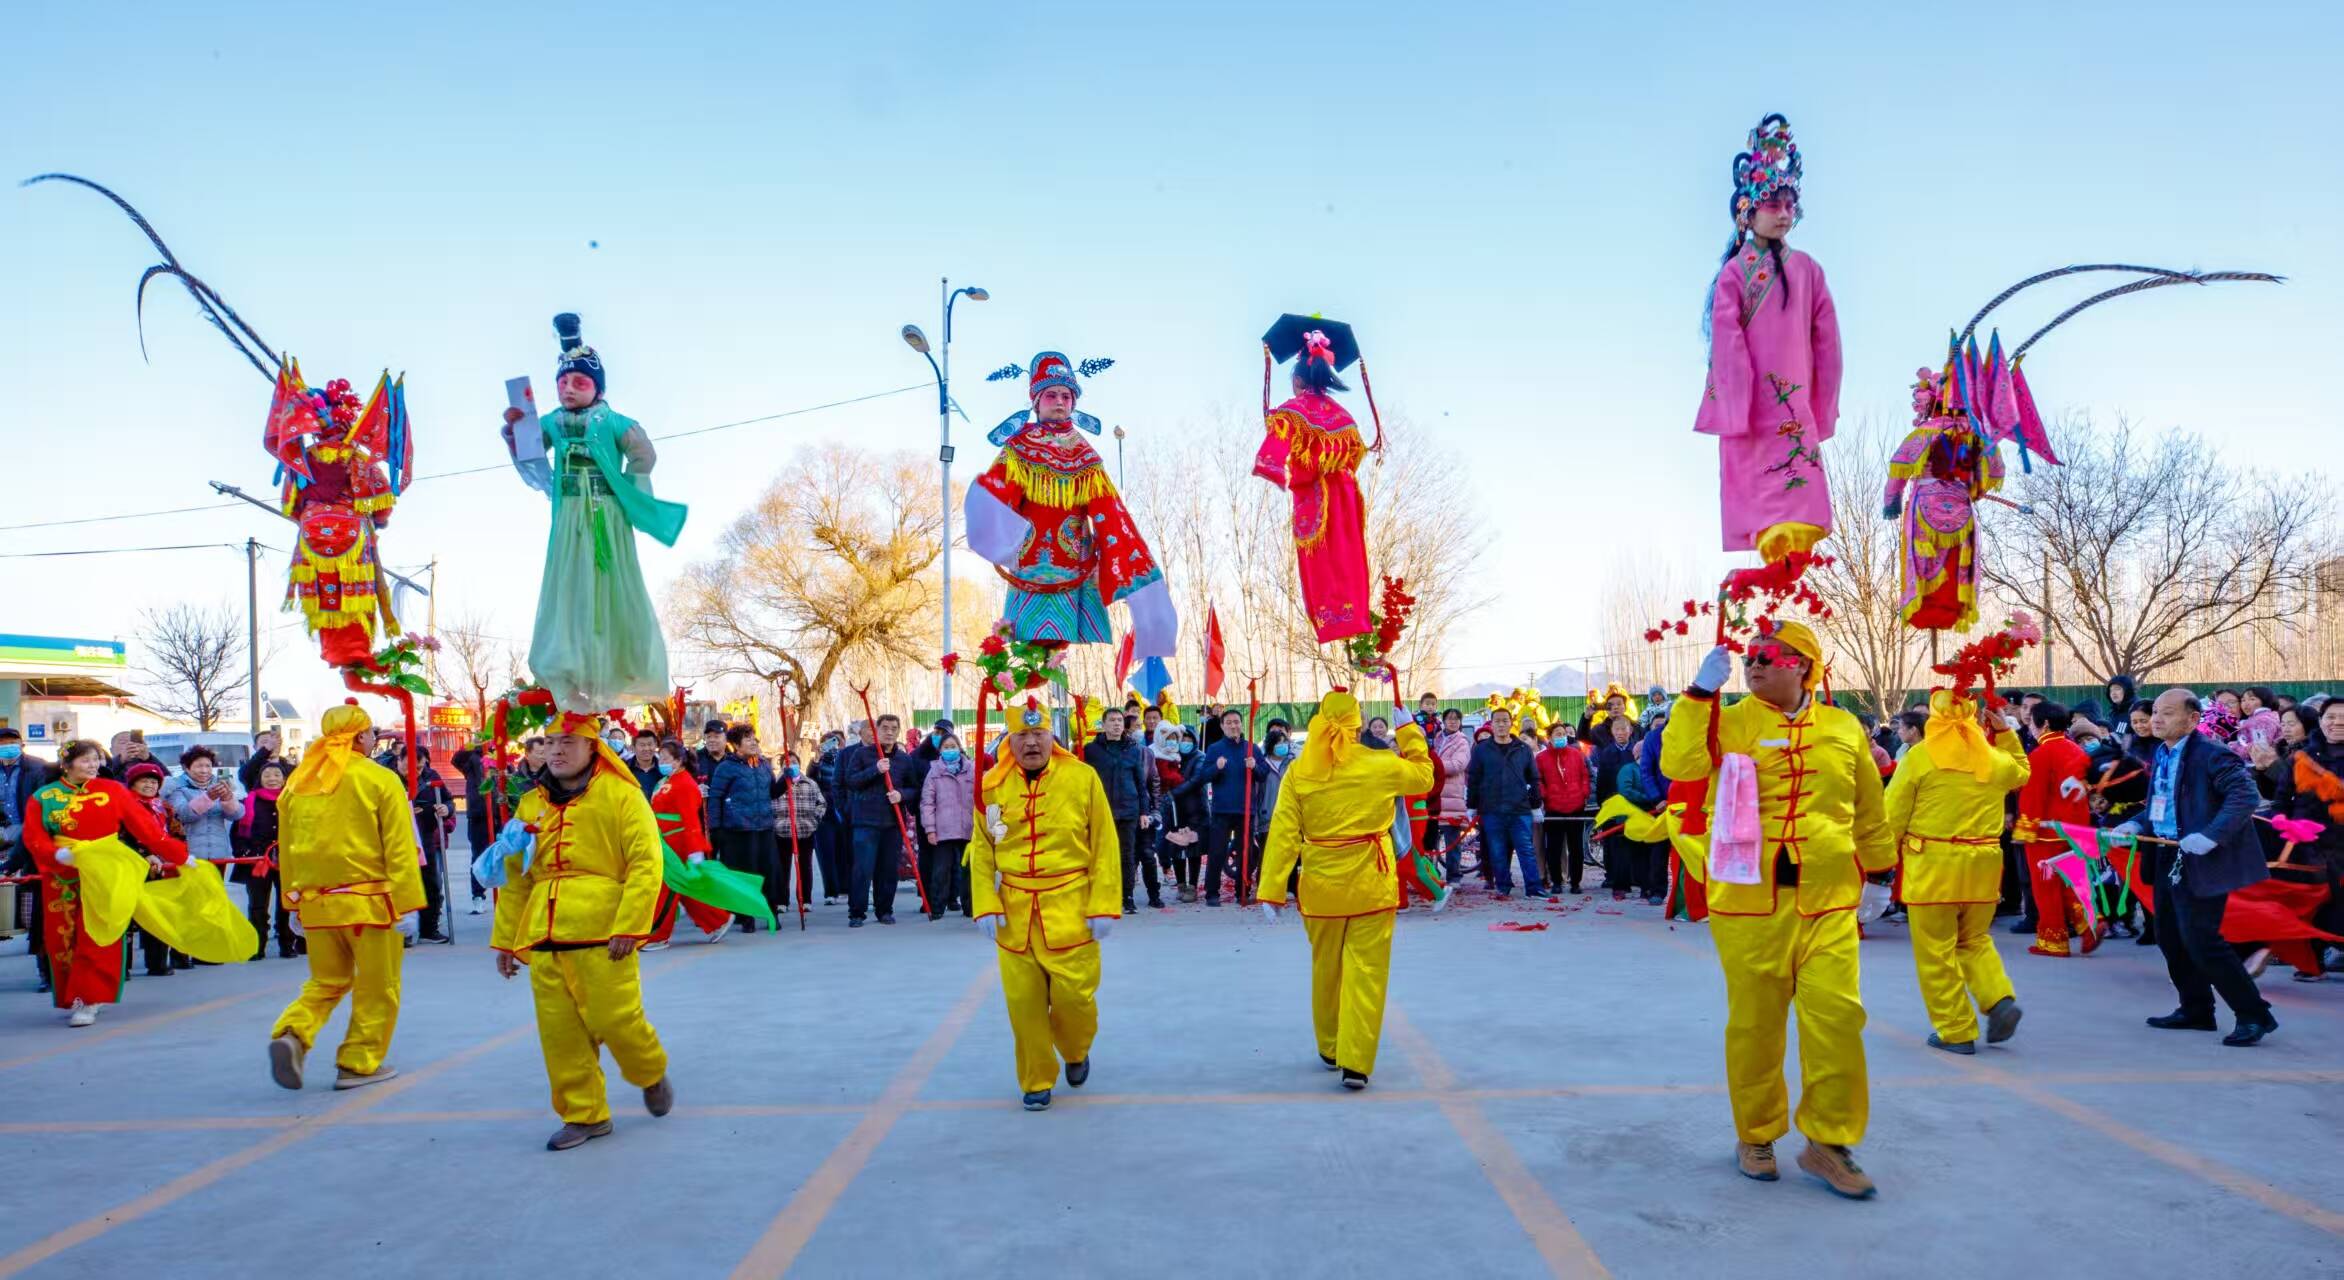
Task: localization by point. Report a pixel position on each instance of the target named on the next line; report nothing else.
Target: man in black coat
(1126, 769)
(2202, 801)
(1501, 784)
(20, 776)
(876, 787)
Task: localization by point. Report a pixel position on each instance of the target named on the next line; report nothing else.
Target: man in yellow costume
(1783, 916)
(1945, 815)
(1046, 882)
(346, 862)
(1334, 815)
(575, 906)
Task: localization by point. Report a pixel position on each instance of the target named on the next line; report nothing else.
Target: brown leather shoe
(576, 1135)
(1837, 1167)
(1756, 1160)
(285, 1055)
(660, 1098)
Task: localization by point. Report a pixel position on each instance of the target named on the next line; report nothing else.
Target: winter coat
(740, 798)
(1501, 779)
(1610, 759)
(2295, 801)
(2214, 796)
(1123, 768)
(1563, 781)
(431, 830)
(27, 778)
(811, 808)
(1221, 769)
(1265, 793)
(948, 800)
(1188, 803)
(255, 833)
(207, 822)
(866, 787)
(1451, 753)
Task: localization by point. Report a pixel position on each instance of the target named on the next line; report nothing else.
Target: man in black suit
(2201, 802)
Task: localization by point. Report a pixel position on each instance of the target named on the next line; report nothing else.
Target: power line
(122, 551)
(473, 471)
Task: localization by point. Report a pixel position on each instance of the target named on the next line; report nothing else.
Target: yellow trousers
(1773, 963)
(364, 965)
(585, 1001)
(1053, 999)
(1350, 968)
(1954, 956)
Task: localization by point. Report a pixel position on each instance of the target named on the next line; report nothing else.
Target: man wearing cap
(1046, 879)
(1790, 937)
(347, 867)
(1334, 816)
(575, 907)
(1945, 819)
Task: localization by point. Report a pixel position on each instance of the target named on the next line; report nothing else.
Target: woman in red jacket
(678, 804)
(81, 808)
(1563, 784)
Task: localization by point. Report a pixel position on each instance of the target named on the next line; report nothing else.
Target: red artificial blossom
(1771, 587)
(1371, 651)
(1987, 657)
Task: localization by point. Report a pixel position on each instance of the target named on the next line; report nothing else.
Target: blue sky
(1518, 205)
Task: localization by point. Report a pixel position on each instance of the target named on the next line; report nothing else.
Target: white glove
(1270, 912)
(2125, 829)
(2197, 842)
(1717, 667)
(64, 857)
(989, 926)
(994, 825)
(1874, 904)
(1101, 927)
(2072, 788)
(697, 858)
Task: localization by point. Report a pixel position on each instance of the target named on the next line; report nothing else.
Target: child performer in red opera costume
(1313, 451)
(678, 804)
(2055, 792)
(1772, 397)
(82, 809)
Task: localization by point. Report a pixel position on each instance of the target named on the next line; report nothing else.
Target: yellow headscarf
(1334, 736)
(1953, 737)
(322, 765)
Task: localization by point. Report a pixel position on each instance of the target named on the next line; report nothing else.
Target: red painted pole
(887, 777)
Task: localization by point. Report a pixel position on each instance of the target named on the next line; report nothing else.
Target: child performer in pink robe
(1774, 362)
(1312, 450)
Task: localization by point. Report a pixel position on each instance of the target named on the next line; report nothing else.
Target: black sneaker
(1354, 1080)
(887, 919)
(1038, 1100)
(2184, 1020)
(1327, 1062)
(855, 923)
(2021, 926)
(1077, 1073)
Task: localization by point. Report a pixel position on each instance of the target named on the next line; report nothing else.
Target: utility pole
(252, 629)
(2046, 621)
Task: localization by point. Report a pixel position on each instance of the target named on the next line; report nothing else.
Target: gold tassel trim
(1316, 449)
(1056, 488)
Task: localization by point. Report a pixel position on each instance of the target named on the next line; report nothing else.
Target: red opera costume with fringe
(338, 493)
(1312, 450)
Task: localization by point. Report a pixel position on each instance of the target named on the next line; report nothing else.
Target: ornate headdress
(577, 357)
(1770, 167)
(1049, 369)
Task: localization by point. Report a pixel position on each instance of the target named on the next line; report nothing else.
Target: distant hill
(1563, 681)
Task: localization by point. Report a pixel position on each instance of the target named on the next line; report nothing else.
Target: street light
(918, 341)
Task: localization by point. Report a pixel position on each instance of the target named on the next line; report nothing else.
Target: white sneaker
(83, 1014)
(479, 906)
(1442, 902)
(2259, 961)
(653, 946)
(721, 931)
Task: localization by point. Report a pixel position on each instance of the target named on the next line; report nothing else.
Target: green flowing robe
(597, 644)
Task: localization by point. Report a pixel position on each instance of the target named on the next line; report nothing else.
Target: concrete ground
(1548, 1103)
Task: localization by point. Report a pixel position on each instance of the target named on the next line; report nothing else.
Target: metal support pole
(944, 461)
(2046, 618)
(252, 629)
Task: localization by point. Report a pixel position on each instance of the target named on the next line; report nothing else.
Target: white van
(233, 749)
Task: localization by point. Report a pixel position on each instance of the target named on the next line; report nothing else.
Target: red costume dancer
(78, 809)
(1313, 452)
(337, 492)
(2055, 792)
(678, 805)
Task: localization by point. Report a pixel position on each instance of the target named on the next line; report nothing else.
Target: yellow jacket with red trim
(1059, 866)
(1819, 798)
(1340, 829)
(347, 858)
(596, 872)
(1947, 825)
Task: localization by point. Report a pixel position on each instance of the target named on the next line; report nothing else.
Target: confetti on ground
(1519, 926)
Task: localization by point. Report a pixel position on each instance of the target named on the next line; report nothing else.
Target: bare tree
(194, 658)
(833, 569)
(1864, 582)
(2144, 547)
(470, 660)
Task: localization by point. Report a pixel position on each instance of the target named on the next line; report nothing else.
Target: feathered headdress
(1049, 369)
(1771, 166)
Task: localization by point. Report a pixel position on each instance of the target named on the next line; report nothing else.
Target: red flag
(1123, 660)
(1216, 653)
(291, 416)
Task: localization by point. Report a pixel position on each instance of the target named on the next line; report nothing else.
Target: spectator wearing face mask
(1175, 753)
(947, 813)
(1127, 771)
(799, 812)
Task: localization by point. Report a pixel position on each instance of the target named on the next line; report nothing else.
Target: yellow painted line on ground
(74, 1039)
(211, 1173)
(1550, 1229)
(786, 1237)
